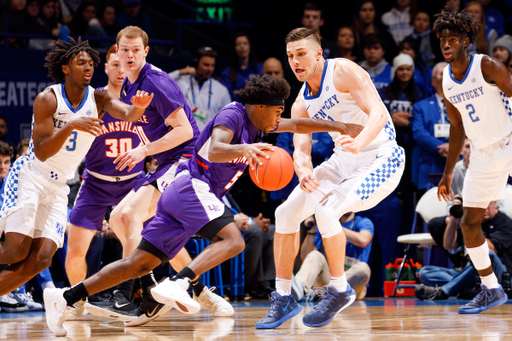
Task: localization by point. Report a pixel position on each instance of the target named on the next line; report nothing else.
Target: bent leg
(79, 240)
(38, 259)
(227, 244)
(181, 260)
(14, 248)
(474, 238)
(128, 217)
(139, 263)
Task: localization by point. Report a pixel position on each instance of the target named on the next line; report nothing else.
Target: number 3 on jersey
(471, 112)
(118, 146)
(72, 139)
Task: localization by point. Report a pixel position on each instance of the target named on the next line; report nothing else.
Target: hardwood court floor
(382, 320)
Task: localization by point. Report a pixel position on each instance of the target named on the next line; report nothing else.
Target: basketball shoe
(214, 303)
(281, 309)
(148, 310)
(486, 299)
(26, 299)
(118, 307)
(332, 303)
(174, 292)
(56, 310)
(9, 304)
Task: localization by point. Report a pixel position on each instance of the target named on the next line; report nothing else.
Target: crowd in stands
(400, 52)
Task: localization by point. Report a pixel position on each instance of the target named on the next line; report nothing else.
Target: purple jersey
(117, 136)
(221, 176)
(168, 98)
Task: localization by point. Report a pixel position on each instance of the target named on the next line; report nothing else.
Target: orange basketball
(275, 172)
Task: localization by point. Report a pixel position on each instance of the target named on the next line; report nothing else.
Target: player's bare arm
(495, 72)
(222, 151)
(456, 142)
(351, 78)
(181, 132)
(47, 143)
(302, 152)
(109, 102)
(311, 125)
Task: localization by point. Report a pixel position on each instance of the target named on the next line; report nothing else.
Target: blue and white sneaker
(281, 309)
(332, 303)
(486, 299)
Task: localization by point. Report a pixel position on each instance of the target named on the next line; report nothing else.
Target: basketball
(275, 172)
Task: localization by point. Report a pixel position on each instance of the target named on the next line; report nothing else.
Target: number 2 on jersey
(118, 146)
(470, 107)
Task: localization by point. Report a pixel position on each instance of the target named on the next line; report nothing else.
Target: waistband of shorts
(48, 175)
(113, 178)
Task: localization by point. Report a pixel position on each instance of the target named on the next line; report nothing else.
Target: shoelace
(273, 306)
(484, 295)
(325, 300)
(432, 293)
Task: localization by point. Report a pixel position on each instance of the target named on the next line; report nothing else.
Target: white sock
(284, 286)
(340, 283)
(490, 281)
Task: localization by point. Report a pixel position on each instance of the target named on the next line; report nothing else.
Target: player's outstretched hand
(444, 190)
(309, 183)
(130, 158)
(348, 143)
(142, 99)
(251, 152)
(352, 129)
(90, 125)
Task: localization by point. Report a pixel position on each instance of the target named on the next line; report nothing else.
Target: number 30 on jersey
(118, 146)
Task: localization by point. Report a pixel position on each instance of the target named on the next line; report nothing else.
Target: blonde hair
(132, 32)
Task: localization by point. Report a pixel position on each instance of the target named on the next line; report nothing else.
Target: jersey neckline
(465, 76)
(69, 104)
(306, 96)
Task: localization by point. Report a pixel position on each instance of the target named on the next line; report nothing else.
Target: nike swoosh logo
(308, 107)
(119, 306)
(153, 312)
(492, 298)
(450, 88)
(379, 156)
(287, 304)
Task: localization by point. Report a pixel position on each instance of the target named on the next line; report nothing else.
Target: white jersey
(484, 108)
(330, 104)
(62, 165)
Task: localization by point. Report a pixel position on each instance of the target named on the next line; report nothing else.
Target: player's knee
(287, 220)
(328, 223)
(16, 255)
(42, 263)
(236, 246)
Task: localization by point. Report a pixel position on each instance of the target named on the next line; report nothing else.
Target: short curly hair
(6, 149)
(63, 53)
(461, 21)
(261, 87)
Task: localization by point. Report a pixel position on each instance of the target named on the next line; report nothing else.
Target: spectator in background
(425, 39)
(347, 43)
(83, 16)
(20, 20)
(22, 147)
(5, 164)
(374, 63)
(312, 18)
(455, 5)
(243, 65)
(399, 19)
(132, 16)
(104, 25)
(441, 283)
(509, 65)
(205, 95)
(399, 97)
(486, 35)
(365, 23)
(273, 67)
(502, 49)
(431, 130)
(48, 20)
(314, 271)
(493, 18)
(150, 164)
(3, 127)
(422, 72)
